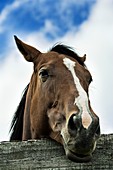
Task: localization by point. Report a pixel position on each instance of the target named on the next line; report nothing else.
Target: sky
(85, 25)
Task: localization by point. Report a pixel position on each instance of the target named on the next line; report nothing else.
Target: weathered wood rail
(48, 155)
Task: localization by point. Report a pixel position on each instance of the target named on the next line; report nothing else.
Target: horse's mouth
(78, 157)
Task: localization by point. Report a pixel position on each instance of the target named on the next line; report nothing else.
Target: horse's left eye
(44, 74)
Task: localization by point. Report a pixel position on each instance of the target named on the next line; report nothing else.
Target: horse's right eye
(44, 74)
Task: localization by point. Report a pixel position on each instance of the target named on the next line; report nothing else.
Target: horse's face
(60, 105)
(71, 117)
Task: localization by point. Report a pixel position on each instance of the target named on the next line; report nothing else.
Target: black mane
(17, 122)
(66, 50)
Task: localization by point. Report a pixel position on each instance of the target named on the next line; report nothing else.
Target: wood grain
(47, 154)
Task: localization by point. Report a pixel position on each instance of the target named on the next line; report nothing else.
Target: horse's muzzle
(79, 142)
(80, 150)
(78, 157)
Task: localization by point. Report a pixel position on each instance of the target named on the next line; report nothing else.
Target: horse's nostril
(73, 124)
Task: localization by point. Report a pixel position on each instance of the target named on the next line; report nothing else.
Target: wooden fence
(48, 155)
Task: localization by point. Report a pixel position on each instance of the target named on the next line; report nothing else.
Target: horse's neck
(26, 119)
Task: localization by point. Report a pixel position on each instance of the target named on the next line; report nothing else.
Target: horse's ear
(30, 53)
(83, 59)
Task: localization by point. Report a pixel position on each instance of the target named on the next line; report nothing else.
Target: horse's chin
(78, 157)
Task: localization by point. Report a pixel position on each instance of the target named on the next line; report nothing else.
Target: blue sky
(32, 15)
(86, 25)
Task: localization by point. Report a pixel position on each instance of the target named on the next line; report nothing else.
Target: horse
(56, 104)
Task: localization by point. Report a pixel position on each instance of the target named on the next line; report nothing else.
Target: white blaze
(82, 100)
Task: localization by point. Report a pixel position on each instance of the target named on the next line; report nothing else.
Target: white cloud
(14, 76)
(93, 38)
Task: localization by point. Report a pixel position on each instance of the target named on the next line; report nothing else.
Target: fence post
(47, 154)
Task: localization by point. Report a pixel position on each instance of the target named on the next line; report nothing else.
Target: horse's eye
(43, 74)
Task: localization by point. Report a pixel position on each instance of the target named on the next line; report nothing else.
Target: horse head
(57, 101)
